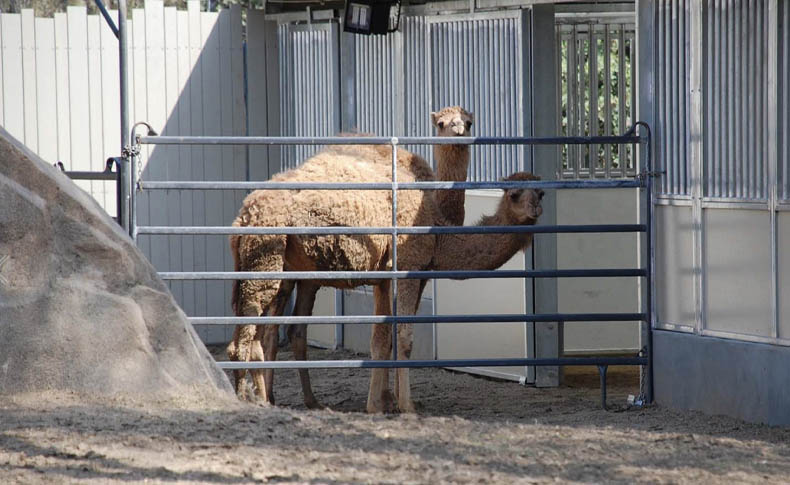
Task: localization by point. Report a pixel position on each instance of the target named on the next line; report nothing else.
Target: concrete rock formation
(81, 309)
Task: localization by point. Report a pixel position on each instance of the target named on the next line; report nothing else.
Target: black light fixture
(371, 16)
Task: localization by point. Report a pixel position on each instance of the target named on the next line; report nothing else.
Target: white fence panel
(46, 89)
(29, 76)
(59, 94)
(13, 82)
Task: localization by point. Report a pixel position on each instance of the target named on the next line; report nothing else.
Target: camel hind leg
(265, 342)
(305, 299)
(239, 349)
(253, 298)
(409, 292)
(379, 396)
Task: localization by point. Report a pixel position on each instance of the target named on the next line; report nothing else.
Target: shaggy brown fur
(359, 253)
(452, 165)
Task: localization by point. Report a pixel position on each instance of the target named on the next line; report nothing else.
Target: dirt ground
(469, 430)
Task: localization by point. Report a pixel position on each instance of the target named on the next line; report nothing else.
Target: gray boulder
(81, 309)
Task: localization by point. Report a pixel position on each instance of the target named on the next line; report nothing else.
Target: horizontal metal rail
(372, 364)
(400, 275)
(379, 140)
(549, 184)
(84, 175)
(322, 231)
(420, 319)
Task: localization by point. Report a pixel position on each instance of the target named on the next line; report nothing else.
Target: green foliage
(578, 89)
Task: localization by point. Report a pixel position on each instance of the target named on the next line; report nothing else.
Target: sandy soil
(469, 430)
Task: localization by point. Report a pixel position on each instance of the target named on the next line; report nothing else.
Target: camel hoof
(314, 404)
(388, 401)
(407, 407)
(375, 408)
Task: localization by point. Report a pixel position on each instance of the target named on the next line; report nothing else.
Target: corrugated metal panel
(476, 62)
(309, 103)
(736, 87)
(784, 100)
(595, 71)
(672, 95)
(375, 83)
(417, 96)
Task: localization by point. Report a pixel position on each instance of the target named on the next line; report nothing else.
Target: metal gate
(642, 181)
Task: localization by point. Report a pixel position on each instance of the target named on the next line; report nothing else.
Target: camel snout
(459, 129)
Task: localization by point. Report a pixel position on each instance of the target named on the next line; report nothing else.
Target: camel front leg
(305, 299)
(379, 396)
(409, 292)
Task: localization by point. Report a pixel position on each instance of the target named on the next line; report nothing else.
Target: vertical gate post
(124, 168)
(548, 336)
(645, 36)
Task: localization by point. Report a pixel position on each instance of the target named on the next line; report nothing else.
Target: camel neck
(479, 251)
(452, 164)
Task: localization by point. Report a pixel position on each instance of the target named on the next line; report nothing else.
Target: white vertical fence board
(79, 113)
(239, 128)
(139, 112)
(111, 104)
(95, 98)
(62, 81)
(29, 76)
(13, 91)
(172, 161)
(2, 117)
(46, 90)
(239, 110)
(256, 93)
(185, 157)
(212, 119)
(226, 129)
(197, 169)
(157, 116)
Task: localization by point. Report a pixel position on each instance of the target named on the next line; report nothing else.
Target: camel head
(522, 206)
(452, 121)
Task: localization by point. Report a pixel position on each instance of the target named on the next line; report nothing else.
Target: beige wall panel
(591, 251)
(483, 340)
(737, 271)
(323, 335)
(783, 271)
(674, 266)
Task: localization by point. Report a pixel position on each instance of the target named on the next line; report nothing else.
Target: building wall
(713, 85)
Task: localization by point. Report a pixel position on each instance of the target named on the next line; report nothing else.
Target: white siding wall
(59, 94)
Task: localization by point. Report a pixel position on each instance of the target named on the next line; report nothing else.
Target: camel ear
(434, 118)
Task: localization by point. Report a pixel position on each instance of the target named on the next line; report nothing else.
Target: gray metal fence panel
(736, 103)
(784, 101)
(375, 83)
(476, 61)
(310, 98)
(595, 69)
(673, 96)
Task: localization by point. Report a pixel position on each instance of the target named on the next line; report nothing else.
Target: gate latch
(644, 175)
